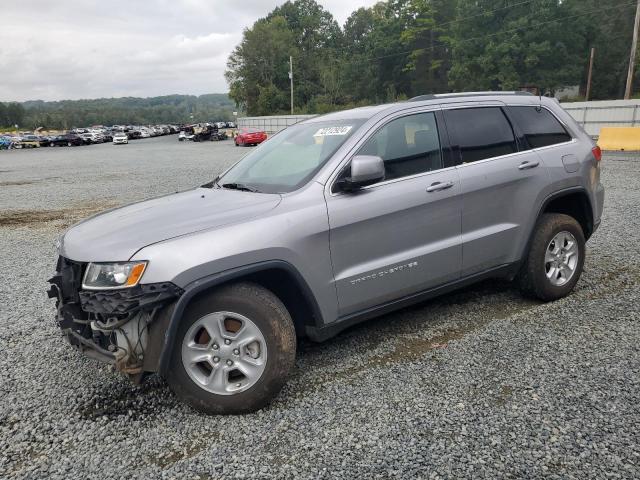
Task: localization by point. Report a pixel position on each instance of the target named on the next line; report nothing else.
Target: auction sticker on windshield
(324, 132)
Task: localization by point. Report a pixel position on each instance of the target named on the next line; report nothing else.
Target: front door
(402, 235)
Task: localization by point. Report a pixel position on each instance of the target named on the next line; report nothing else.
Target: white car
(92, 137)
(120, 138)
(185, 136)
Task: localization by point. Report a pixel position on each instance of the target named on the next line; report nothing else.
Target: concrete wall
(591, 115)
(271, 124)
(607, 113)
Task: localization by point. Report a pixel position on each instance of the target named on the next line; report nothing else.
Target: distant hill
(126, 110)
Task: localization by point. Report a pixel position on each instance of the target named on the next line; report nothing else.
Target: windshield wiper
(239, 186)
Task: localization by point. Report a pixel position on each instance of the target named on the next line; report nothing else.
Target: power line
(506, 7)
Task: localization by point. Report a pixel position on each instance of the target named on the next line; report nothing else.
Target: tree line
(401, 48)
(67, 114)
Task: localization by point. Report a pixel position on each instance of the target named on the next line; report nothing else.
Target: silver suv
(330, 222)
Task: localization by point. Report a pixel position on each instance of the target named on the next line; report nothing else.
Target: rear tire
(216, 384)
(553, 265)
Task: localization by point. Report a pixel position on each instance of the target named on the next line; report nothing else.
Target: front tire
(233, 350)
(555, 259)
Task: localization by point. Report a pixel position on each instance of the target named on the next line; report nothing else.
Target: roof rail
(438, 96)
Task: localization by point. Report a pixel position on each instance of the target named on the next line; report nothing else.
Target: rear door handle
(436, 187)
(527, 165)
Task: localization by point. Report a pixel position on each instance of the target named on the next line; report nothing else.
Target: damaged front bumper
(119, 327)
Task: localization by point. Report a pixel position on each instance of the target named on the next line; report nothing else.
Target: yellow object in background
(619, 138)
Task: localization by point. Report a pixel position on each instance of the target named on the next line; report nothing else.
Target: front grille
(68, 279)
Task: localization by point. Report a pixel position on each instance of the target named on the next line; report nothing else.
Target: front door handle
(436, 187)
(526, 165)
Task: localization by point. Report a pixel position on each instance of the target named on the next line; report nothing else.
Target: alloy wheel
(561, 258)
(224, 353)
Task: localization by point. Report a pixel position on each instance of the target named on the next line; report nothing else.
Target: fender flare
(205, 283)
(564, 192)
(548, 199)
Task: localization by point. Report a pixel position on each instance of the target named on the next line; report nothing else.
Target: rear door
(501, 184)
(402, 235)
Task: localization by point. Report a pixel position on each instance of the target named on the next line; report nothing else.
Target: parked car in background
(93, 137)
(187, 133)
(44, 140)
(120, 138)
(28, 141)
(68, 139)
(231, 125)
(6, 142)
(250, 136)
(86, 138)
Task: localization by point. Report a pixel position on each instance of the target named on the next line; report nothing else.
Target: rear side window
(539, 126)
(480, 133)
(408, 145)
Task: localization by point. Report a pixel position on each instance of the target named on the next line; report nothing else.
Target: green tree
(498, 47)
(425, 35)
(258, 67)
(607, 26)
(3, 115)
(257, 70)
(15, 114)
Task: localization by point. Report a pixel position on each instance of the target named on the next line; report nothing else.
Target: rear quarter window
(539, 127)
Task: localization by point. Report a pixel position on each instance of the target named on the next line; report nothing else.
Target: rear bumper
(599, 206)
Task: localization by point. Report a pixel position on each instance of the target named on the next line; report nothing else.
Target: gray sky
(74, 49)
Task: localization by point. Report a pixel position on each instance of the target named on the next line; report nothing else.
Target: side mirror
(365, 170)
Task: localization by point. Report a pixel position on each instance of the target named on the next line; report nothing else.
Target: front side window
(289, 159)
(408, 146)
(481, 133)
(539, 126)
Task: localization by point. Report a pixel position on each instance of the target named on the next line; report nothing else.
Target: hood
(116, 235)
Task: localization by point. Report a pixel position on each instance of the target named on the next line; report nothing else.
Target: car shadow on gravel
(409, 333)
(134, 402)
(413, 331)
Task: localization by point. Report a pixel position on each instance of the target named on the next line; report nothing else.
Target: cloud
(90, 49)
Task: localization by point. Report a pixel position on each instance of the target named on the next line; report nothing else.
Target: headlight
(104, 276)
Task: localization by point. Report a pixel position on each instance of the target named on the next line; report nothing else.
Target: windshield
(288, 160)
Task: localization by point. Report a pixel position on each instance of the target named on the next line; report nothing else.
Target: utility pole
(632, 57)
(291, 73)
(586, 97)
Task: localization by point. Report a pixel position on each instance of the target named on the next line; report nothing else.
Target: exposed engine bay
(112, 326)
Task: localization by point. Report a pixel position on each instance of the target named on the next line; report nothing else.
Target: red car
(250, 136)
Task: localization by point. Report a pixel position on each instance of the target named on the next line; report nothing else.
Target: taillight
(597, 153)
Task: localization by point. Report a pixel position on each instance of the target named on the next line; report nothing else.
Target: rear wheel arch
(574, 203)
(279, 277)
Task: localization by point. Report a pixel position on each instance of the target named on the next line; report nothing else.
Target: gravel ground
(480, 383)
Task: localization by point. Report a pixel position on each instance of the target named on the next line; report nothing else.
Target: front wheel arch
(278, 276)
